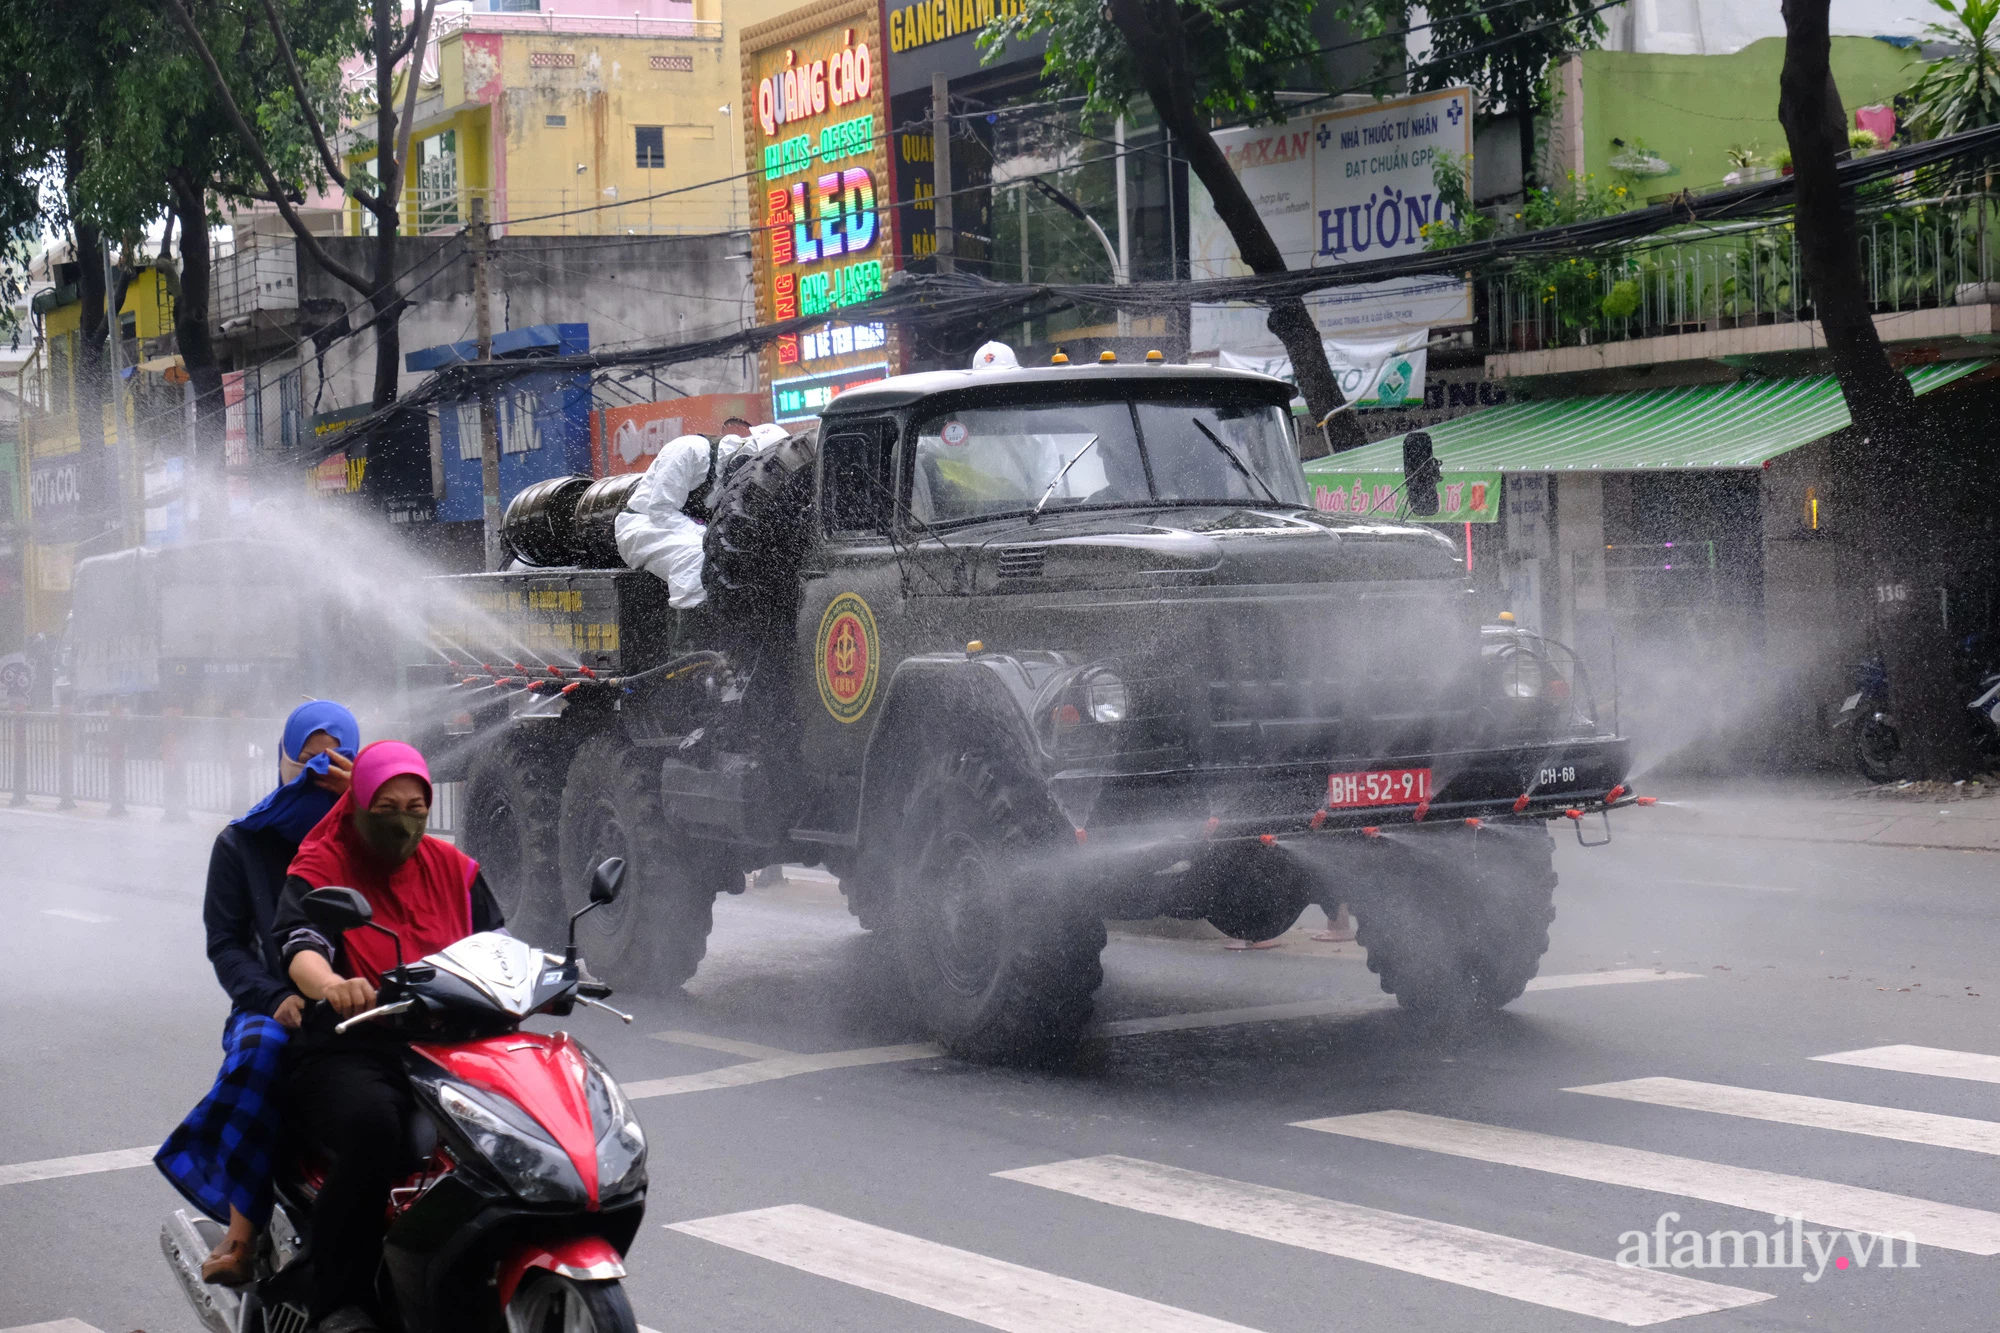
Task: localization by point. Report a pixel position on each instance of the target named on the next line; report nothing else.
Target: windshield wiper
(1236, 462)
(1036, 511)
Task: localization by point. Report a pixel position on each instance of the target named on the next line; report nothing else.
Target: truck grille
(1381, 676)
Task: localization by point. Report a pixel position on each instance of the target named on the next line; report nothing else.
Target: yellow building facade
(59, 519)
(568, 124)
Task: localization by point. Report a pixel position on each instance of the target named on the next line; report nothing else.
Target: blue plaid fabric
(223, 1154)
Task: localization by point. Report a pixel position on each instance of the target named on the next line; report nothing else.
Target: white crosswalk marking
(1787, 1108)
(1946, 1226)
(55, 1168)
(1481, 1260)
(53, 1326)
(783, 1066)
(1922, 1060)
(957, 1282)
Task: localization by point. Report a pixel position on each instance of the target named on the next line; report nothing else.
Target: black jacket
(246, 876)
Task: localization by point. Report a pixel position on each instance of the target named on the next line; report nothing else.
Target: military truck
(1012, 653)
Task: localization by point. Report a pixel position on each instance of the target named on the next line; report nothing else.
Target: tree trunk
(1884, 453)
(190, 208)
(1153, 34)
(382, 300)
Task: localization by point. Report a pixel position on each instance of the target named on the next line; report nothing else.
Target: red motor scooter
(527, 1177)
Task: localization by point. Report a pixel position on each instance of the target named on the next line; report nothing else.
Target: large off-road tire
(507, 821)
(657, 930)
(1468, 936)
(1001, 968)
(550, 1303)
(758, 530)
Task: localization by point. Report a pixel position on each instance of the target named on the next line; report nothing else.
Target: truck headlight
(1108, 699)
(531, 1163)
(621, 1143)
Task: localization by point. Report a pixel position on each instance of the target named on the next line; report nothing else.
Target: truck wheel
(658, 929)
(1000, 968)
(507, 823)
(1470, 939)
(1514, 887)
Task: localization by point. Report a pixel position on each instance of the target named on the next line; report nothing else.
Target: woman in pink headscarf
(347, 1095)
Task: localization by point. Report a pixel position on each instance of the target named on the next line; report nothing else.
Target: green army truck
(1012, 653)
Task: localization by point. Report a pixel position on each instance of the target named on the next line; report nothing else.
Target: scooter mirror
(338, 909)
(608, 880)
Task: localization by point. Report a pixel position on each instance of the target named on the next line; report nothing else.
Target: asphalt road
(1167, 1183)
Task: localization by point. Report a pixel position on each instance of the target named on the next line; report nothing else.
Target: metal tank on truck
(1013, 652)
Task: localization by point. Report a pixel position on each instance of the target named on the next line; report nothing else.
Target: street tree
(1506, 53)
(1887, 449)
(1197, 61)
(391, 39)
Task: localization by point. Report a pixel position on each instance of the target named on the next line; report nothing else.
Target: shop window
(652, 146)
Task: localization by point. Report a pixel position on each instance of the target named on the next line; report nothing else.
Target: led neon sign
(840, 221)
(798, 91)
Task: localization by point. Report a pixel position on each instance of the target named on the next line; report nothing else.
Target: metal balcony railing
(1697, 280)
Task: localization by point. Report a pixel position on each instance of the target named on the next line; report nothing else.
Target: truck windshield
(995, 460)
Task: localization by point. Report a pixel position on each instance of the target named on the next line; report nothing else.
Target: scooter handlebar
(379, 1011)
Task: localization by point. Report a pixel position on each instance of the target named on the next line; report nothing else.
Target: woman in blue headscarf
(221, 1156)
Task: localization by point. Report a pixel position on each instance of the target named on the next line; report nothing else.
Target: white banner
(1377, 374)
(1337, 188)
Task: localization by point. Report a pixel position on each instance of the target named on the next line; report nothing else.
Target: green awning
(1740, 425)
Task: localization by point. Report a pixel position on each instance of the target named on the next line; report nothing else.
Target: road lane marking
(53, 1326)
(1922, 1060)
(1264, 1013)
(71, 914)
(1850, 1207)
(1624, 976)
(749, 1050)
(938, 1277)
(784, 1066)
(1788, 1108)
(1525, 1271)
(1733, 884)
(55, 1168)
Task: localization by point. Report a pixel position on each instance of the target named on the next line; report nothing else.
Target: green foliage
(1241, 55)
(1581, 200)
(1622, 301)
(1961, 89)
(1504, 52)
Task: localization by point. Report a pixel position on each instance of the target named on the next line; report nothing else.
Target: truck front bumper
(1545, 781)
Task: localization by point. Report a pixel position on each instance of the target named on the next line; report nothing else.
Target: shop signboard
(1338, 188)
(1463, 497)
(627, 439)
(816, 140)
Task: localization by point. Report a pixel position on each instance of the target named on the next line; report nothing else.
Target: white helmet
(995, 356)
(766, 434)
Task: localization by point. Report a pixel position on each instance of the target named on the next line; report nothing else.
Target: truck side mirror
(1421, 471)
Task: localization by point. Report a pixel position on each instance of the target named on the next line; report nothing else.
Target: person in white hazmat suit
(654, 531)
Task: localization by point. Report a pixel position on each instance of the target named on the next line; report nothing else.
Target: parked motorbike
(527, 1176)
(1876, 738)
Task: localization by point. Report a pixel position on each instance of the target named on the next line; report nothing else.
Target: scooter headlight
(531, 1163)
(621, 1143)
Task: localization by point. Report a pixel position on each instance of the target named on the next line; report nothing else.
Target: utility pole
(125, 458)
(1124, 246)
(941, 173)
(489, 433)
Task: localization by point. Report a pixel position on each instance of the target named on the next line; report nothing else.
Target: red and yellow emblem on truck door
(847, 657)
